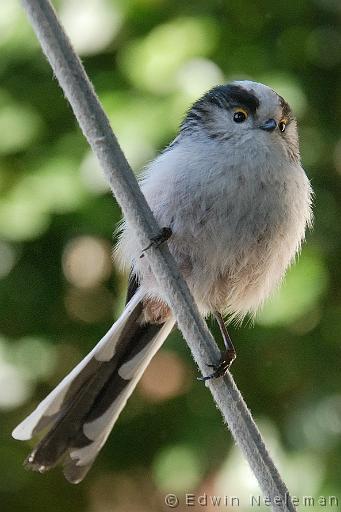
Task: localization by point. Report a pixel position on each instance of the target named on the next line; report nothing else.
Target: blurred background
(59, 291)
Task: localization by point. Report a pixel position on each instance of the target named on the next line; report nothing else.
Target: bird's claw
(222, 367)
(159, 239)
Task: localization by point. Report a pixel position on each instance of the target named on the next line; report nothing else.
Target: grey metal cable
(95, 126)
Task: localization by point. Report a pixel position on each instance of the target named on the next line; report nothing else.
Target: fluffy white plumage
(238, 206)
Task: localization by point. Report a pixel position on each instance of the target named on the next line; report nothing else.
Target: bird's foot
(159, 239)
(221, 368)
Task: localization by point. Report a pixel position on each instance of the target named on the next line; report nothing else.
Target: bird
(234, 204)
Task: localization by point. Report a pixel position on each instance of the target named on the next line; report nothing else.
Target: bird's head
(244, 113)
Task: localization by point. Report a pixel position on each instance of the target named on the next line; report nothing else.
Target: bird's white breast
(237, 220)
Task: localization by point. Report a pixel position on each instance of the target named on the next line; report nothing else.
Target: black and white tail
(79, 414)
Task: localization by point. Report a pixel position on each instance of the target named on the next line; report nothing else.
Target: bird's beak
(269, 125)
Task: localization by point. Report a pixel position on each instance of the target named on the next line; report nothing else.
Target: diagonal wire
(95, 126)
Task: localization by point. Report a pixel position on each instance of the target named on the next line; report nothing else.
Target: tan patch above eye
(241, 110)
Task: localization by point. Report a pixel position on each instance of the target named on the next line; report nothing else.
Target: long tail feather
(82, 410)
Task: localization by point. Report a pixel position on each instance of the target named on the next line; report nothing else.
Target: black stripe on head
(227, 96)
(222, 96)
(286, 110)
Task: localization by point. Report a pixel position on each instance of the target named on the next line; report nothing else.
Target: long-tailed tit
(231, 191)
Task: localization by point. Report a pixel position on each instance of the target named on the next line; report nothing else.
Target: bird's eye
(240, 115)
(282, 126)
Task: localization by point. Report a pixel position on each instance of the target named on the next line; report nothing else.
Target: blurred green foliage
(149, 59)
